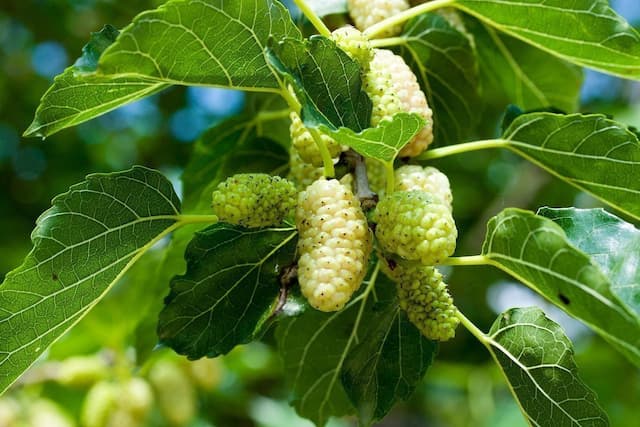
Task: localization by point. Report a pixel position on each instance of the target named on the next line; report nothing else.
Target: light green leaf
(536, 357)
(382, 142)
(584, 32)
(82, 246)
(514, 72)
(444, 61)
(537, 252)
(201, 42)
(611, 242)
(229, 291)
(591, 152)
(326, 80)
(388, 363)
(78, 95)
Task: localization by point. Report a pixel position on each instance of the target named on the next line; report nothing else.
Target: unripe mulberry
(428, 179)
(254, 200)
(334, 244)
(394, 88)
(302, 174)
(355, 44)
(425, 298)
(306, 146)
(415, 226)
(366, 13)
(377, 175)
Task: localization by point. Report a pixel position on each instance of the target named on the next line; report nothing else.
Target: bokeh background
(40, 38)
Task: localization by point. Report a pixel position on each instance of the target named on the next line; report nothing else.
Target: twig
(368, 199)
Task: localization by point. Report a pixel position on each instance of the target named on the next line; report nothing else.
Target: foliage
(236, 285)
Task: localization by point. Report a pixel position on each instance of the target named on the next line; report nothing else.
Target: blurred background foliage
(38, 39)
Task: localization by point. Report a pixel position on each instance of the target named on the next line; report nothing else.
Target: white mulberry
(355, 44)
(334, 244)
(394, 88)
(427, 179)
(302, 174)
(366, 13)
(254, 200)
(425, 297)
(306, 146)
(415, 226)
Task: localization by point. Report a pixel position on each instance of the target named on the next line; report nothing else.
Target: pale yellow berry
(427, 179)
(355, 44)
(302, 174)
(366, 13)
(334, 244)
(306, 146)
(174, 392)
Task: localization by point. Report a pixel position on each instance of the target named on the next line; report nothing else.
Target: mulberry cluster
(355, 44)
(306, 146)
(334, 244)
(254, 200)
(425, 298)
(366, 13)
(394, 88)
(415, 226)
(427, 179)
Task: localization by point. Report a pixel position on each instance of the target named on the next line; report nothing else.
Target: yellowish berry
(427, 179)
(366, 13)
(306, 146)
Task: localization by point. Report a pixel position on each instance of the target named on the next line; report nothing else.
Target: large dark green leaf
(537, 251)
(82, 245)
(78, 95)
(387, 364)
(230, 289)
(585, 32)
(514, 72)
(326, 80)
(591, 152)
(445, 63)
(536, 357)
(611, 242)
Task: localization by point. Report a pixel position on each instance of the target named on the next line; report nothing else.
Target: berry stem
(403, 17)
(313, 18)
(368, 199)
(388, 42)
(467, 260)
(327, 161)
(390, 177)
(197, 219)
(438, 153)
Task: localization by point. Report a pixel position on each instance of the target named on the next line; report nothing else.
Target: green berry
(174, 392)
(377, 175)
(100, 402)
(394, 88)
(254, 200)
(425, 298)
(427, 179)
(355, 44)
(366, 13)
(415, 226)
(334, 244)
(302, 174)
(306, 146)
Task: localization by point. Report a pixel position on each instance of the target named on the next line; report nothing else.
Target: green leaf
(387, 365)
(611, 242)
(232, 146)
(584, 32)
(537, 252)
(591, 152)
(77, 95)
(229, 290)
(514, 72)
(445, 63)
(82, 246)
(327, 82)
(382, 142)
(536, 357)
(202, 42)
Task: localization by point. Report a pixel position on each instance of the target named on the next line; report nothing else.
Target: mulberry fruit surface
(427, 179)
(254, 200)
(415, 226)
(366, 13)
(334, 244)
(306, 146)
(355, 44)
(425, 298)
(302, 174)
(394, 88)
